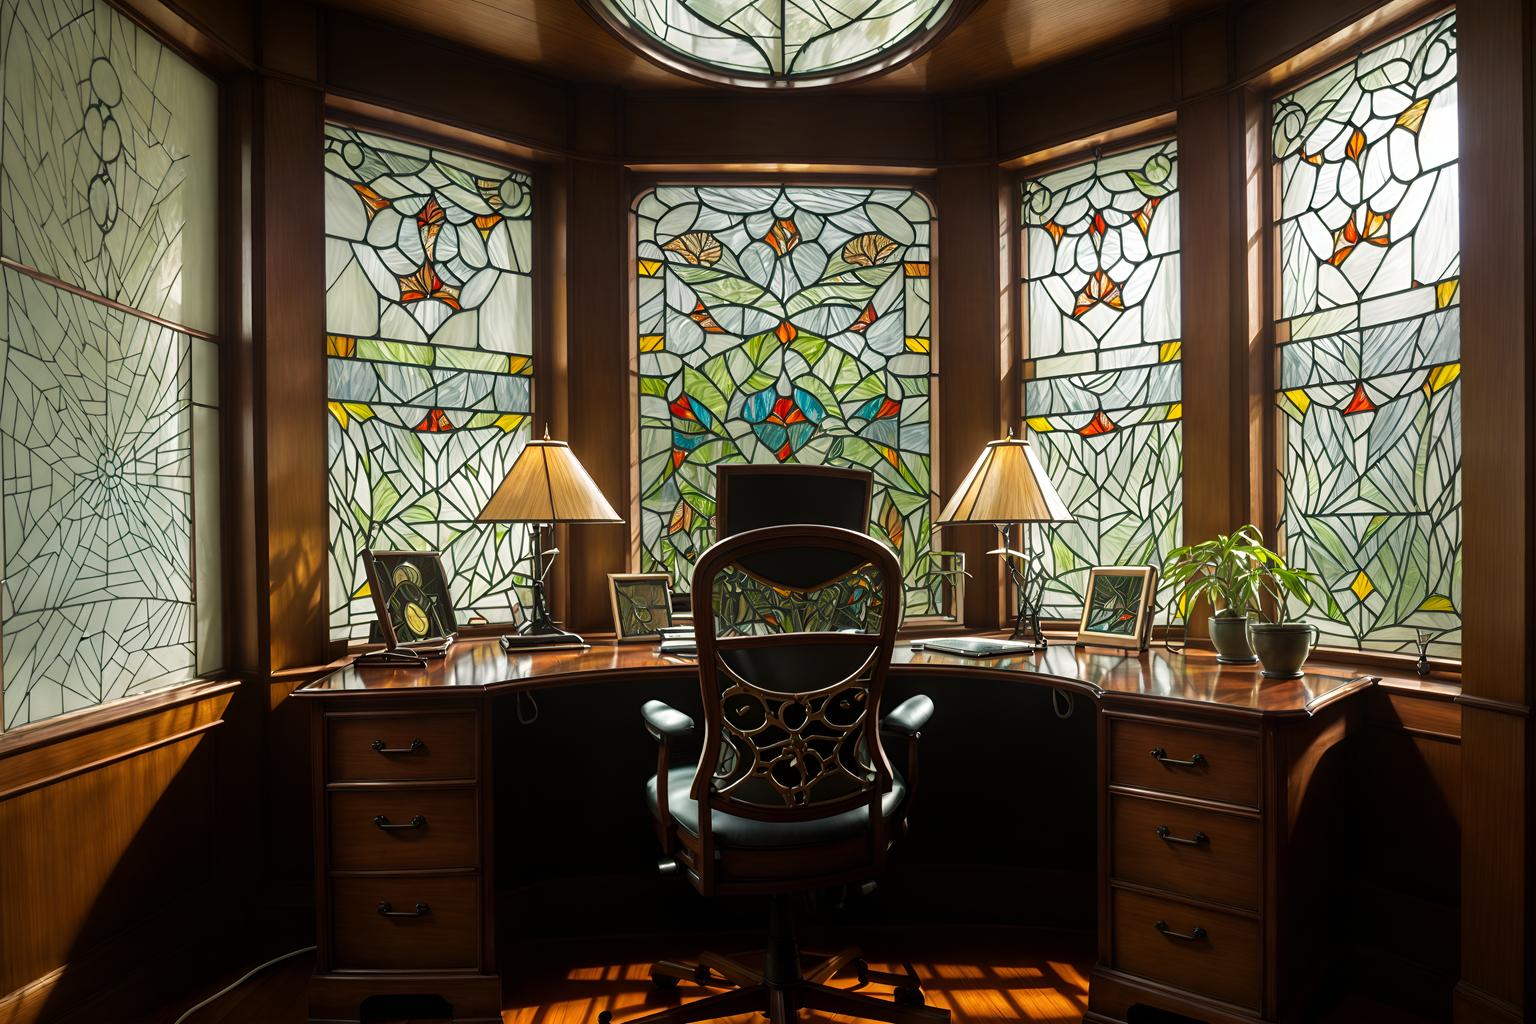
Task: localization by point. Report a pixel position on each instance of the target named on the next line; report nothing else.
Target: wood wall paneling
(290, 301)
(600, 410)
(1498, 147)
(108, 851)
(974, 224)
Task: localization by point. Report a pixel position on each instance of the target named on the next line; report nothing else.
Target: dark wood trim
(1502, 707)
(111, 759)
(79, 723)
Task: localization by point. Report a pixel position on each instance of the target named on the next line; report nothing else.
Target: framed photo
(1117, 610)
(410, 592)
(642, 604)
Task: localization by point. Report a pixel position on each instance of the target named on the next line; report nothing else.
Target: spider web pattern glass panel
(96, 444)
(785, 325)
(1103, 388)
(429, 346)
(108, 170)
(1369, 327)
(780, 38)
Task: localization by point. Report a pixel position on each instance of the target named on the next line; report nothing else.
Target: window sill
(87, 720)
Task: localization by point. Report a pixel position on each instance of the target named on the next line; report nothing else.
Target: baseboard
(1472, 1005)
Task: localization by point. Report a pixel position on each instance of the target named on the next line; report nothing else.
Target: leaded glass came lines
(1369, 326)
(780, 38)
(429, 321)
(788, 325)
(1103, 389)
(108, 420)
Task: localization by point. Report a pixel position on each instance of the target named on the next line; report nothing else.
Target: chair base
(782, 989)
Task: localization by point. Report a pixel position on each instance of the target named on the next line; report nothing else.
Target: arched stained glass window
(1103, 387)
(429, 342)
(777, 42)
(1369, 329)
(785, 325)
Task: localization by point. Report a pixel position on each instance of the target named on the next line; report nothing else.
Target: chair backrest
(795, 626)
(754, 497)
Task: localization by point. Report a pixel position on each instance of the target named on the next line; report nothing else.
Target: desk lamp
(1007, 485)
(545, 486)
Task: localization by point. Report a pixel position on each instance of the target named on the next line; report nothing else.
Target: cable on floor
(247, 976)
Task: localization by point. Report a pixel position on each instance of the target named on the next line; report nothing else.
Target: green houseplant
(1235, 573)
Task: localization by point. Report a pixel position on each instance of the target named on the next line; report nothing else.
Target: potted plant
(1282, 645)
(1220, 571)
(1234, 573)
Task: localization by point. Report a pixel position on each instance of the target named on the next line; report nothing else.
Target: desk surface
(1152, 677)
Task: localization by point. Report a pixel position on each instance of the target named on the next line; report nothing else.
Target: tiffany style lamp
(1007, 485)
(545, 486)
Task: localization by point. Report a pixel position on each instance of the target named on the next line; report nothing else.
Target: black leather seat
(750, 834)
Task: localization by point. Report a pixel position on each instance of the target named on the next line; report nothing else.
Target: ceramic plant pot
(1283, 647)
(1229, 635)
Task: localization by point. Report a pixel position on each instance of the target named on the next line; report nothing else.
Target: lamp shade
(547, 485)
(1006, 485)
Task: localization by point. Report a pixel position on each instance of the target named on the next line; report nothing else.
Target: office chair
(752, 497)
(792, 791)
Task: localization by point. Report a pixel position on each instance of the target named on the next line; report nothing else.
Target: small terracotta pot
(1229, 635)
(1283, 646)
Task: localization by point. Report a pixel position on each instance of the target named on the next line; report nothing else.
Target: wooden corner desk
(1216, 801)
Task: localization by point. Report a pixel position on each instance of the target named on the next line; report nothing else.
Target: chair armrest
(665, 722)
(909, 717)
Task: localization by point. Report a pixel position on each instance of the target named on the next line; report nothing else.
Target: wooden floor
(977, 990)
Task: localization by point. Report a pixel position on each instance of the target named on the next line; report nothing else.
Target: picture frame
(1118, 607)
(413, 600)
(641, 603)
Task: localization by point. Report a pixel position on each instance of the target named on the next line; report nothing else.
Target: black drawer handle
(385, 910)
(419, 821)
(1161, 755)
(1163, 832)
(415, 745)
(1195, 935)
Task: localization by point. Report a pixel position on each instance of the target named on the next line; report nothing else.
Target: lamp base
(532, 641)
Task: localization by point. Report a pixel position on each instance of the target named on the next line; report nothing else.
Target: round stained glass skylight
(779, 42)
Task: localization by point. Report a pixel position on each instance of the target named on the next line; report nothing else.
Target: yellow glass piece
(1445, 292)
(653, 342)
(649, 268)
(366, 590)
(1442, 376)
(1363, 587)
(340, 346)
(509, 422)
(917, 344)
(1437, 603)
(915, 269)
(1169, 351)
(1299, 399)
(1175, 411)
(1040, 425)
(520, 366)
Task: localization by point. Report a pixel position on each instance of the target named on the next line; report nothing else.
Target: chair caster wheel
(860, 968)
(664, 982)
(908, 995)
(606, 1017)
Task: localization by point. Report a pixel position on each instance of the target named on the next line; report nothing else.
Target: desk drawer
(401, 747)
(1187, 850)
(1144, 753)
(441, 931)
(421, 828)
(1222, 963)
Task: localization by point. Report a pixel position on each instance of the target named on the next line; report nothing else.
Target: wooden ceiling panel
(998, 40)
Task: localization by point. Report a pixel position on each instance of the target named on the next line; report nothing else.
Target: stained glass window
(429, 342)
(108, 419)
(1103, 391)
(1369, 328)
(784, 325)
(776, 40)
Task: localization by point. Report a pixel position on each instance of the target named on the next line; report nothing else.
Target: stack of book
(677, 640)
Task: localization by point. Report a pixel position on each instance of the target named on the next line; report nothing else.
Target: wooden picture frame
(411, 595)
(1118, 606)
(641, 603)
